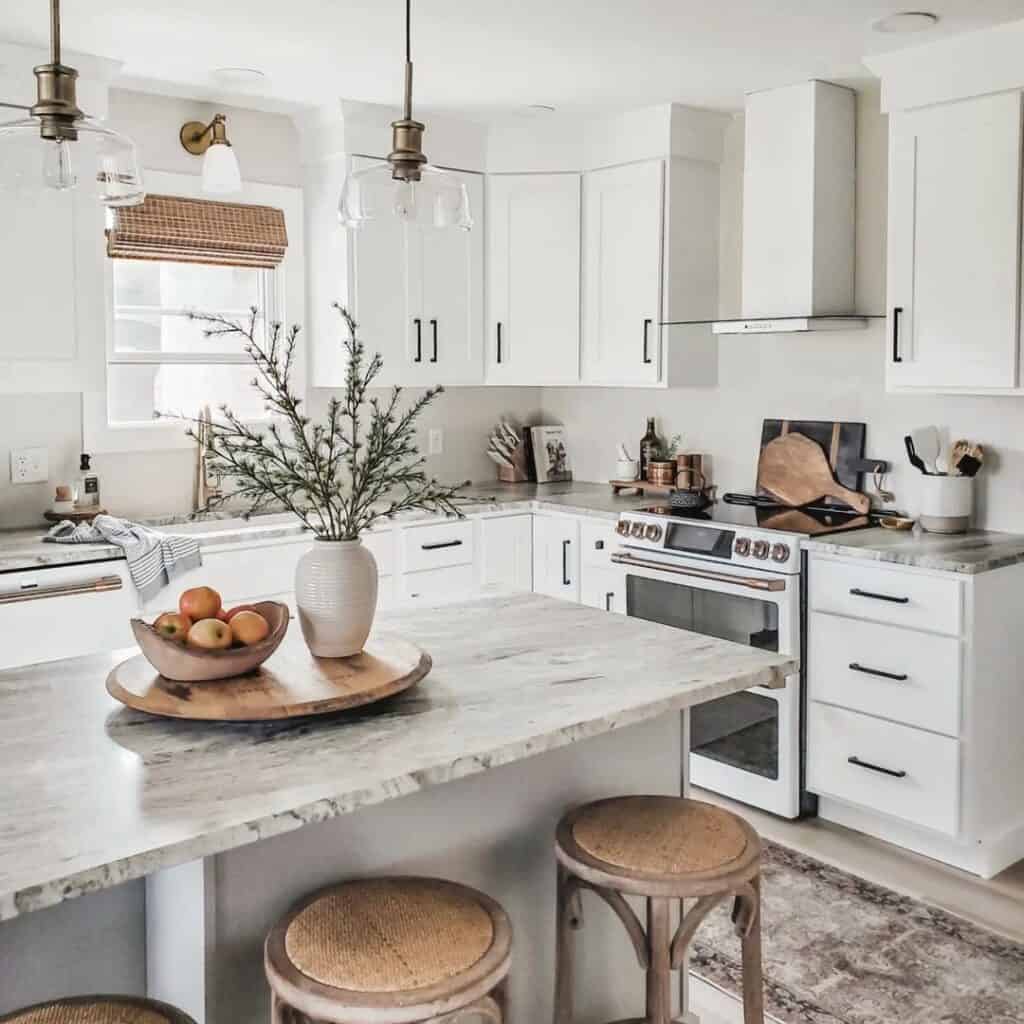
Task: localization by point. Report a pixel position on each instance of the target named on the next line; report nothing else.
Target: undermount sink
(207, 526)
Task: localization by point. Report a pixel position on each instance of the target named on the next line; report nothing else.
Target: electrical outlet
(30, 465)
(435, 441)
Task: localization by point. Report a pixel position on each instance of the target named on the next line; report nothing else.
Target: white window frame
(286, 303)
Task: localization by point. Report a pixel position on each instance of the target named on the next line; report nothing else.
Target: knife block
(521, 470)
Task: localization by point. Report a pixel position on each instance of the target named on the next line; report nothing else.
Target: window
(160, 361)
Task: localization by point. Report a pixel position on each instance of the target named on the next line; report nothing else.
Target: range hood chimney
(798, 211)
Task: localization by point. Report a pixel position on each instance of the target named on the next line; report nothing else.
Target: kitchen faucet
(203, 491)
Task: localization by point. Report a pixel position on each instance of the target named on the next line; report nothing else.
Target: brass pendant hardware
(406, 156)
(56, 103)
(197, 137)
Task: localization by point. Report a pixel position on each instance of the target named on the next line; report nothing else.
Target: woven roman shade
(199, 231)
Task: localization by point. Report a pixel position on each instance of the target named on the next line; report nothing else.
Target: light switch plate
(435, 441)
(30, 465)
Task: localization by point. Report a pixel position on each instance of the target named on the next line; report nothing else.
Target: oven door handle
(750, 582)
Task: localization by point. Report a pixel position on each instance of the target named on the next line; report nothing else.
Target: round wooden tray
(291, 684)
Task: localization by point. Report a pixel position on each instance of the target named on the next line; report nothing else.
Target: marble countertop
(970, 553)
(25, 549)
(95, 794)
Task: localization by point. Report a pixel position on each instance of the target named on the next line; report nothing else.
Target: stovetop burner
(756, 511)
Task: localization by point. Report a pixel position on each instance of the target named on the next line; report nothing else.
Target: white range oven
(738, 581)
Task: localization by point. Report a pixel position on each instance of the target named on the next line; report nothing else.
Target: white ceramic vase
(336, 596)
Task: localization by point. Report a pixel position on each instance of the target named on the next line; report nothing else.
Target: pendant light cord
(408, 59)
(55, 31)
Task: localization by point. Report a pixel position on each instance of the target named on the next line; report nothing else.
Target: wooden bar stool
(390, 951)
(665, 849)
(98, 1010)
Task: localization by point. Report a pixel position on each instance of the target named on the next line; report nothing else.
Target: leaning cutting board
(843, 443)
(794, 469)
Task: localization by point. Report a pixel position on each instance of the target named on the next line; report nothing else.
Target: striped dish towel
(154, 558)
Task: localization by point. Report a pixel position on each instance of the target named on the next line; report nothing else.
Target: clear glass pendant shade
(438, 200)
(100, 155)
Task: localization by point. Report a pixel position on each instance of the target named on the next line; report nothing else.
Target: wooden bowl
(186, 664)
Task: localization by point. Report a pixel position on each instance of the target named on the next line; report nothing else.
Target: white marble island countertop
(95, 794)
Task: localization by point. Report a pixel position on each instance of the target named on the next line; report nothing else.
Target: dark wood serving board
(843, 445)
(290, 684)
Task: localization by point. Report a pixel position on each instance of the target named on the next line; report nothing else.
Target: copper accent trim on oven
(719, 577)
(97, 586)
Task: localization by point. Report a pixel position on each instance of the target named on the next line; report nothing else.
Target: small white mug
(627, 469)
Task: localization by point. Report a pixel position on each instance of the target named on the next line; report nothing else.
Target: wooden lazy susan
(291, 684)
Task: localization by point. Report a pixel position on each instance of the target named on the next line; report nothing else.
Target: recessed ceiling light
(907, 21)
(238, 77)
(541, 108)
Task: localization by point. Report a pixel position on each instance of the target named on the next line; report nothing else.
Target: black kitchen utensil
(968, 465)
(915, 459)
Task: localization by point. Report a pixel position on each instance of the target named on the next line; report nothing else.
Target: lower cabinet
(506, 551)
(556, 556)
(602, 584)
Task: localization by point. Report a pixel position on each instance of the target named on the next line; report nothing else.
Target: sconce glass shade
(438, 200)
(221, 174)
(99, 154)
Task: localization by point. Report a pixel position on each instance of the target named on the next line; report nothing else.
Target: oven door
(746, 745)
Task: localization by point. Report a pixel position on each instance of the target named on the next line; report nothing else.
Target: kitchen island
(96, 796)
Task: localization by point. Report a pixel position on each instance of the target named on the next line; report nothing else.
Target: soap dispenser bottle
(88, 485)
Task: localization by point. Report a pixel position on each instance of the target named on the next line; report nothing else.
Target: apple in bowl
(174, 626)
(210, 635)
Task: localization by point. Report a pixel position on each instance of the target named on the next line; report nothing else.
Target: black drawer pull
(608, 598)
(647, 357)
(857, 592)
(418, 358)
(499, 341)
(899, 678)
(897, 312)
(599, 545)
(433, 327)
(441, 544)
(565, 563)
(876, 768)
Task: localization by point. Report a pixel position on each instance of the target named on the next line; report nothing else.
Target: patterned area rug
(840, 950)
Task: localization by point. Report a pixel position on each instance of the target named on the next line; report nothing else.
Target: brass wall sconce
(221, 174)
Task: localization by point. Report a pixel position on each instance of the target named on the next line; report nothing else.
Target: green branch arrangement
(339, 476)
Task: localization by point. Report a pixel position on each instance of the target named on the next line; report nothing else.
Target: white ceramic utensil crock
(336, 597)
(946, 503)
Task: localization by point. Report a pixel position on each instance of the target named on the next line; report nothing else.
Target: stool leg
(500, 996)
(564, 949)
(753, 981)
(659, 973)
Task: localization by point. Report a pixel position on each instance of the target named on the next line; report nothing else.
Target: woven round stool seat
(660, 835)
(98, 1010)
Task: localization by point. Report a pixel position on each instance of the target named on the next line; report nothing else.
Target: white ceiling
(483, 58)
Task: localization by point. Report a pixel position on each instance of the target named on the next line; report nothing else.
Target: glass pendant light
(406, 187)
(58, 147)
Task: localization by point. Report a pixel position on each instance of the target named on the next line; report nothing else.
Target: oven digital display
(699, 540)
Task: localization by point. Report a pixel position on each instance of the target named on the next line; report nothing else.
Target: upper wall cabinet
(533, 279)
(954, 247)
(622, 273)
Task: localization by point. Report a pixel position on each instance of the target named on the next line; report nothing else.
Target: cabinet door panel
(622, 268)
(954, 248)
(506, 552)
(556, 557)
(533, 273)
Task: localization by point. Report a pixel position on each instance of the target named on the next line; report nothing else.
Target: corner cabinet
(954, 262)
(622, 273)
(533, 279)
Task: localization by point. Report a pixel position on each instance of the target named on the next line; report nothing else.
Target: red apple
(210, 634)
(223, 616)
(173, 625)
(232, 612)
(199, 603)
(248, 627)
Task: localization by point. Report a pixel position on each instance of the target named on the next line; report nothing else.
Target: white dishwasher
(65, 610)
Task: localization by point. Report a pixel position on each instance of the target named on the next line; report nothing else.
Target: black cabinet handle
(433, 327)
(608, 598)
(647, 357)
(565, 563)
(857, 592)
(599, 545)
(897, 312)
(441, 544)
(418, 358)
(897, 677)
(499, 341)
(876, 768)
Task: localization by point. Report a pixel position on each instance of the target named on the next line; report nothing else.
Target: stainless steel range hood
(798, 212)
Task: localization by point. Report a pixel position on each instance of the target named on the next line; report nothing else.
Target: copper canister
(690, 472)
(661, 472)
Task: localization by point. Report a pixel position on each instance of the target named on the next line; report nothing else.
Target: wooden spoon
(795, 469)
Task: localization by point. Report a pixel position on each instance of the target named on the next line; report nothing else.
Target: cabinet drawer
(437, 586)
(924, 790)
(885, 671)
(438, 545)
(597, 541)
(892, 596)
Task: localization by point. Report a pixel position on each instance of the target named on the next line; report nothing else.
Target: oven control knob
(652, 531)
(637, 530)
(759, 549)
(780, 552)
(742, 546)
(622, 527)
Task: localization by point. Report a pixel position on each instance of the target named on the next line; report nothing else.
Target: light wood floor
(997, 904)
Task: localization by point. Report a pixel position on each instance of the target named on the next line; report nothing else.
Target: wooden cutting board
(843, 443)
(795, 470)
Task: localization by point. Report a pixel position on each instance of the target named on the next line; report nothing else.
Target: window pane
(137, 393)
(175, 335)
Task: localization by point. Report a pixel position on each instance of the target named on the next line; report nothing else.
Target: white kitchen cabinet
(556, 556)
(623, 215)
(602, 583)
(954, 263)
(533, 279)
(506, 552)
